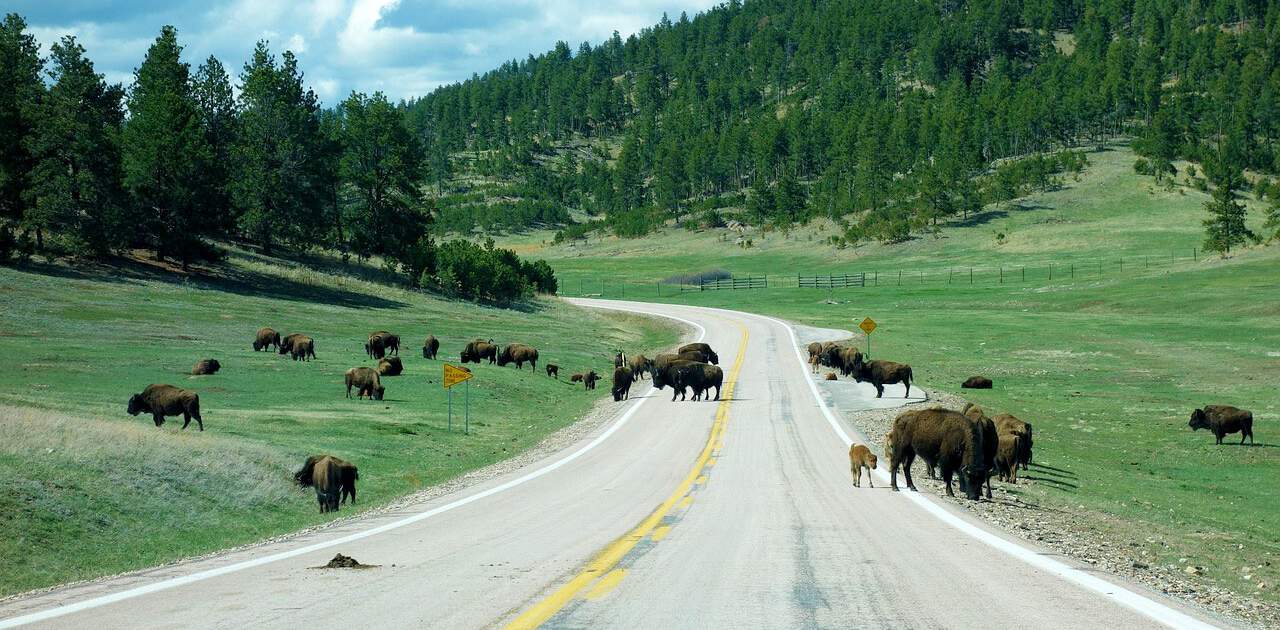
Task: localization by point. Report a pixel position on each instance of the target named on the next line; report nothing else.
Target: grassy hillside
(91, 490)
(1107, 367)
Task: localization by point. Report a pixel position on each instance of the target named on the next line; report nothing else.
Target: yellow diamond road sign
(868, 325)
(454, 375)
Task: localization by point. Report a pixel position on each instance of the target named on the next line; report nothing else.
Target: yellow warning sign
(868, 325)
(454, 375)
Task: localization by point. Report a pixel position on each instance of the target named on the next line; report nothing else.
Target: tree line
(179, 160)
(885, 113)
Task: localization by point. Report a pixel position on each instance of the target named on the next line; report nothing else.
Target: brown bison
(390, 366)
(266, 338)
(167, 400)
(681, 374)
(976, 382)
(430, 347)
(880, 373)
(519, 354)
(382, 343)
(861, 457)
(694, 355)
(577, 378)
(553, 371)
(1222, 420)
(333, 479)
(298, 346)
(948, 438)
(622, 380)
(1007, 454)
(712, 357)
(206, 366)
(478, 350)
(366, 381)
(815, 349)
(830, 376)
(1006, 423)
(590, 379)
(640, 365)
(990, 446)
(850, 358)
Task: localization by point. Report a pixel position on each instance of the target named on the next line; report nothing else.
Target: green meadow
(91, 490)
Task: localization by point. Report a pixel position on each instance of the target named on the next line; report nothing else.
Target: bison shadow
(1059, 471)
(1053, 481)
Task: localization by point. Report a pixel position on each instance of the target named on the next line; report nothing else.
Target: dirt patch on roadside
(346, 562)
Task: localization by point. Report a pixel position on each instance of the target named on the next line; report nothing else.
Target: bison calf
(590, 379)
(553, 370)
(861, 457)
(1222, 420)
(577, 378)
(1010, 446)
(167, 400)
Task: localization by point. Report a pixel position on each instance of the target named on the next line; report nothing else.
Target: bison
(478, 350)
(366, 381)
(712, 357)
(553, 370)
(1006, 423)
(266, 338)
(990, 444)
(1008, 450)
(948, 438)
(298, 346)
(619, 359)
(167, 400)
(976, 382)
(519, 354)
(381, 343)
(695, 375)
(589, 380)
(333, 479)
(850, 358)
(694, 355)
(640, 365)
(206, 366)
(390, 366)
(622, 379)
(1222, 420)
(815, 349)
(430, 347)
(880, 373)
(577, 378)
(861, 457)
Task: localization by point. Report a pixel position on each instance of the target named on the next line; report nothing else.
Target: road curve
(675, 515)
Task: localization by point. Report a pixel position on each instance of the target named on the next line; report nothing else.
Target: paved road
(677, 515)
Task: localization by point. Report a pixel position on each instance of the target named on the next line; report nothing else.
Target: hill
(91, 490)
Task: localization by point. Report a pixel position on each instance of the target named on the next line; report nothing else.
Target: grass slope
(91, 490)
(1107, 367)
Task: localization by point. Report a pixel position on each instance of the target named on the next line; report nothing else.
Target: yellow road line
(660, 532)
(601, 566)
(686, 502)
(606, 584)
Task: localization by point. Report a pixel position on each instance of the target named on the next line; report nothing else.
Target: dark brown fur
(519, 354)
(622, 380)
(390, 366)
(206, 366)
(712, 357)
(640, 365)
(367, 383)
(167, 400)
(333, 479)
(1007, 455)
(553, 370)
(266, 338)
(577, 378)
(1006, 423)
(430, 347)
(977, 382)
(381, 343)
(298, 346)
(948, 438)
(590, 379)
(478, 350)
(880, 373)
(1222, 420)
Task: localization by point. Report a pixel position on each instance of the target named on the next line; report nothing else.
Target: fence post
(876, 279)
(970, 275)
(899, 277)
(1050, 272)
(1194, 256)
(950, 272)
(1024, 274)
(1073, 270)
(1001, 274)
(1099, 267)
(1121, 265)
(602, 287)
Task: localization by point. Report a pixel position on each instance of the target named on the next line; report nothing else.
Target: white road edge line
(1144, 605)
(162, 585)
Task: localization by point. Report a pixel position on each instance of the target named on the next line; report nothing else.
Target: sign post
(452, 376)
(868, 326)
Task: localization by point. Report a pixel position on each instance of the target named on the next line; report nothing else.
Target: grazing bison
(640, 365)
(206, 366)
(948, 438)
(589, 380)
(298, 346)
(167, 400)
(1222, 420)
(430, 347)
(990, 446)
(390, 366)
(976, 382)
(478, 350)
(712, 357)
(519, 354)
(266, 338)
(622, 380)
(553, 370)
(333, 479)
(861, 457)
(366, 381)
(1007, 454)
(880, 373)
(382, 343)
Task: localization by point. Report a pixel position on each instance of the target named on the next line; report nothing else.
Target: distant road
(675, 515)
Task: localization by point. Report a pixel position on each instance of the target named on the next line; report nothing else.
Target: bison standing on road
(948, 438)
(1222, 420)
(640, 365)
(712, 357)
(333, 479)
(698, 376)
(622, 380)
(367, 383)
(167, 400)
(861, 457)
(430, 347)
(478, 350)
(206, 367)
(519, 354)
(266, 338)
(880, 373)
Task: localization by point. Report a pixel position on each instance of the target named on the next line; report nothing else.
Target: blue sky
(403, 48)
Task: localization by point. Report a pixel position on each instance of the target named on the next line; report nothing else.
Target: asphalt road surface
(734, 514)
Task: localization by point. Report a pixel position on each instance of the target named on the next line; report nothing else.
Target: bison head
(659, 378)
(972, 478)
(426, 354)
(469, 357)
(715, 358)
(1198, 420)
(135, 404)
(284, 348)
(378, 391)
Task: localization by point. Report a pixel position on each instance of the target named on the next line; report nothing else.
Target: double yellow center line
(600, 570)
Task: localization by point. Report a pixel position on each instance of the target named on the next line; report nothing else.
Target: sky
(403, 48)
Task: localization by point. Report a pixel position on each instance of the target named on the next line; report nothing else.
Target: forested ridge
(893, 114)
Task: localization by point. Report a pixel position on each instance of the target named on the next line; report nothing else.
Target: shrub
(699, 277)
(475, 272)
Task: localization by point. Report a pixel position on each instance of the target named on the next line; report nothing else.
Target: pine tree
(20, 95)
(76, 179)
(1225, 226)
(166, 155)
(211, 89)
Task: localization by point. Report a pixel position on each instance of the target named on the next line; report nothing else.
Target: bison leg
(879, 389)
(159, 418)
(907, 382)
(946, 478)
(906, 468)
(186, 420)
(717, 392)
(856, 469)
(869, 481)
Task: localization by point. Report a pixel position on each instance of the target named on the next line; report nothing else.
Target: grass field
(1107, 366)
(91, 490)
